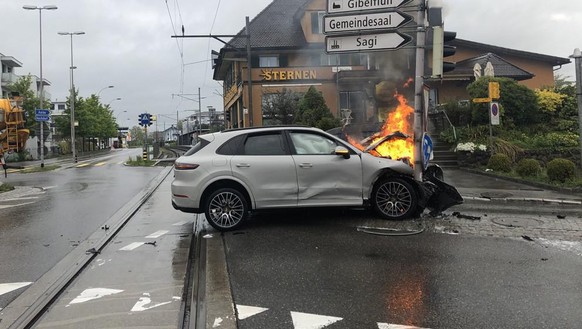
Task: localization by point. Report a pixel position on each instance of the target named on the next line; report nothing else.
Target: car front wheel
(226, 209)
(394, 198)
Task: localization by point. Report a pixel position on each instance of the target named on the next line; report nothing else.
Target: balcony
(8, 78)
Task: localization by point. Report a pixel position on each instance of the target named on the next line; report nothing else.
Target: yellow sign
(282, 75)
(481, 100)
(494, 90)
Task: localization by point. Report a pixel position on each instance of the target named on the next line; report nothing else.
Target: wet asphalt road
(58, 210)
(318, 264)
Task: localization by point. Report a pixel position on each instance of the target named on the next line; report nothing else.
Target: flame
(399, 119)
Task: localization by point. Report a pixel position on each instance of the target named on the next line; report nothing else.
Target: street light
(113, 100)
(578, 63)
(99, 93)
(41, 98)
(72, 100)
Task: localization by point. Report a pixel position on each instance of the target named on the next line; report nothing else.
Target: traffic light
(440, 50)
(227, 115)
(150, 121)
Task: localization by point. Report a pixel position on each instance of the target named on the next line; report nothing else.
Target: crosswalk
(82, 164)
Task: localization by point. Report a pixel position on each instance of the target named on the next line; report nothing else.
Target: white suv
(228, 174)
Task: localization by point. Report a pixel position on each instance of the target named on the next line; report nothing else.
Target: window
(317, 22)
(307, 143)
(342, 59)
(265, 144)
(268, 61)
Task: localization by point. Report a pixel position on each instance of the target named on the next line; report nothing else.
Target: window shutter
(283, 61)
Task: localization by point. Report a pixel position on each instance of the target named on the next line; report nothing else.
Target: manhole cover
(496, 195)
(517, 222)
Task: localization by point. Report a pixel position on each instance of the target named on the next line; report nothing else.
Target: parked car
(230, 173)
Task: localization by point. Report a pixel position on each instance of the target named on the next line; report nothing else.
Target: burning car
(228, 174)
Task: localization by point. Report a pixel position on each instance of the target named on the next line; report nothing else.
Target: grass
(6, 187)
(29, 170)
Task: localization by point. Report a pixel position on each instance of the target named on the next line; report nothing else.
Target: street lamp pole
(72, 95)
(41, 98)
(108, 87)
(578, 63)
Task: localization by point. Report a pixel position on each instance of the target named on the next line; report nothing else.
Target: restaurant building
(288, 54)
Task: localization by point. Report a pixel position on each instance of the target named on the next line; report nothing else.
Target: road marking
(100, 164)
(181, 223)
(82, 165)
(396, 326)
(157, 234)
(132, 246)
(93, 293)
(140, 306)
(248, 311)
(8, 287)
(18, 199)
(15, 205)
(312, 321)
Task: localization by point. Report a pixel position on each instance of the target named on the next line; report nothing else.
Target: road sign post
(343, 6)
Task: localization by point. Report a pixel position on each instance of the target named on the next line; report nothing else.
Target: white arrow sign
(365, 42)
(342, 6)
(364, 22)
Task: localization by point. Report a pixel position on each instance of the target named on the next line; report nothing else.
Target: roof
(555, 61)
(502, 68)
(275, 26)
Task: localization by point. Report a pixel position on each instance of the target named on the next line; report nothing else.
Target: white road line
(19, 199)
(181, 223)
(100, 164)
(248, 311)
(142, 303)
(312, 321)
(132, 246)
(8, 287)
(93, 293)
(15, 205)
(157, 234)
(396, 326)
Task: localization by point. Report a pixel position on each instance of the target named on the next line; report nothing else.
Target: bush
(528, 168)
(499, 162)
(561, 170)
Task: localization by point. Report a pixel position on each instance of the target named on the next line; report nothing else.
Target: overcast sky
(128, 44)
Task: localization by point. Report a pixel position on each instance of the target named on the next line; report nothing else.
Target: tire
(226, 209)
(395, 199)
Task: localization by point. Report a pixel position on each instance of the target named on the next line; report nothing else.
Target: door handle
(305, 165)
(243, 165)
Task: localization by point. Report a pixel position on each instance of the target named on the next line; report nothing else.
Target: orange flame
(398, 120)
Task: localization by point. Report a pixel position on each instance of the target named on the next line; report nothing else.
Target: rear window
(200, 145)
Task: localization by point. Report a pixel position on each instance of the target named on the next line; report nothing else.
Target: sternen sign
(364, 22)
(343, 6)
(366, 42)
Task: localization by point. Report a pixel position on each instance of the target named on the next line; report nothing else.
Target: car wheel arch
(226, 183)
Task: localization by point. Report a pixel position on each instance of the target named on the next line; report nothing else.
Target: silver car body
(298, 178)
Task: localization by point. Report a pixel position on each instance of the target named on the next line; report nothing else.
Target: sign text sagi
(366, 42)
(364, 22)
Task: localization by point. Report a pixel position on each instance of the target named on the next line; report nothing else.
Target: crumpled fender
(440, 195)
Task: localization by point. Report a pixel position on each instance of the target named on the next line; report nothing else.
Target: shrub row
(558, 169)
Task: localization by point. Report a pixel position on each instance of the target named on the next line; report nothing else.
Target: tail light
(185, 166)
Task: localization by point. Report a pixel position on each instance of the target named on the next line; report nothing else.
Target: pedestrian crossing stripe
(310, 321)
(82, 165)
(100, 164)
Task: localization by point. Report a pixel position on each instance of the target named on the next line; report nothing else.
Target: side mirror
(340, 150)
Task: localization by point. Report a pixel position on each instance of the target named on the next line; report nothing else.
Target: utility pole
(578, 63)
(418, 92)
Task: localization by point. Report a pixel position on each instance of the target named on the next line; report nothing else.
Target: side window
(200, 145)
(308, 143)
(265, 144)
(231, 146)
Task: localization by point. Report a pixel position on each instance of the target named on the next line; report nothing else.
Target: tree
(314, 112)
(518, 102)
(30, 101)
(279, 108)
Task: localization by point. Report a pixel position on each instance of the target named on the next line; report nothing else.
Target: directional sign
(364, 22)
(366, 42)
(342, 6)
(41, 112)
(39, 117)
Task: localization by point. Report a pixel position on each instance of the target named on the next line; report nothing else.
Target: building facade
(288, 54)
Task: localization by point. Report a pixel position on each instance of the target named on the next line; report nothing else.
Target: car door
(323, 177)
(264, 163)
